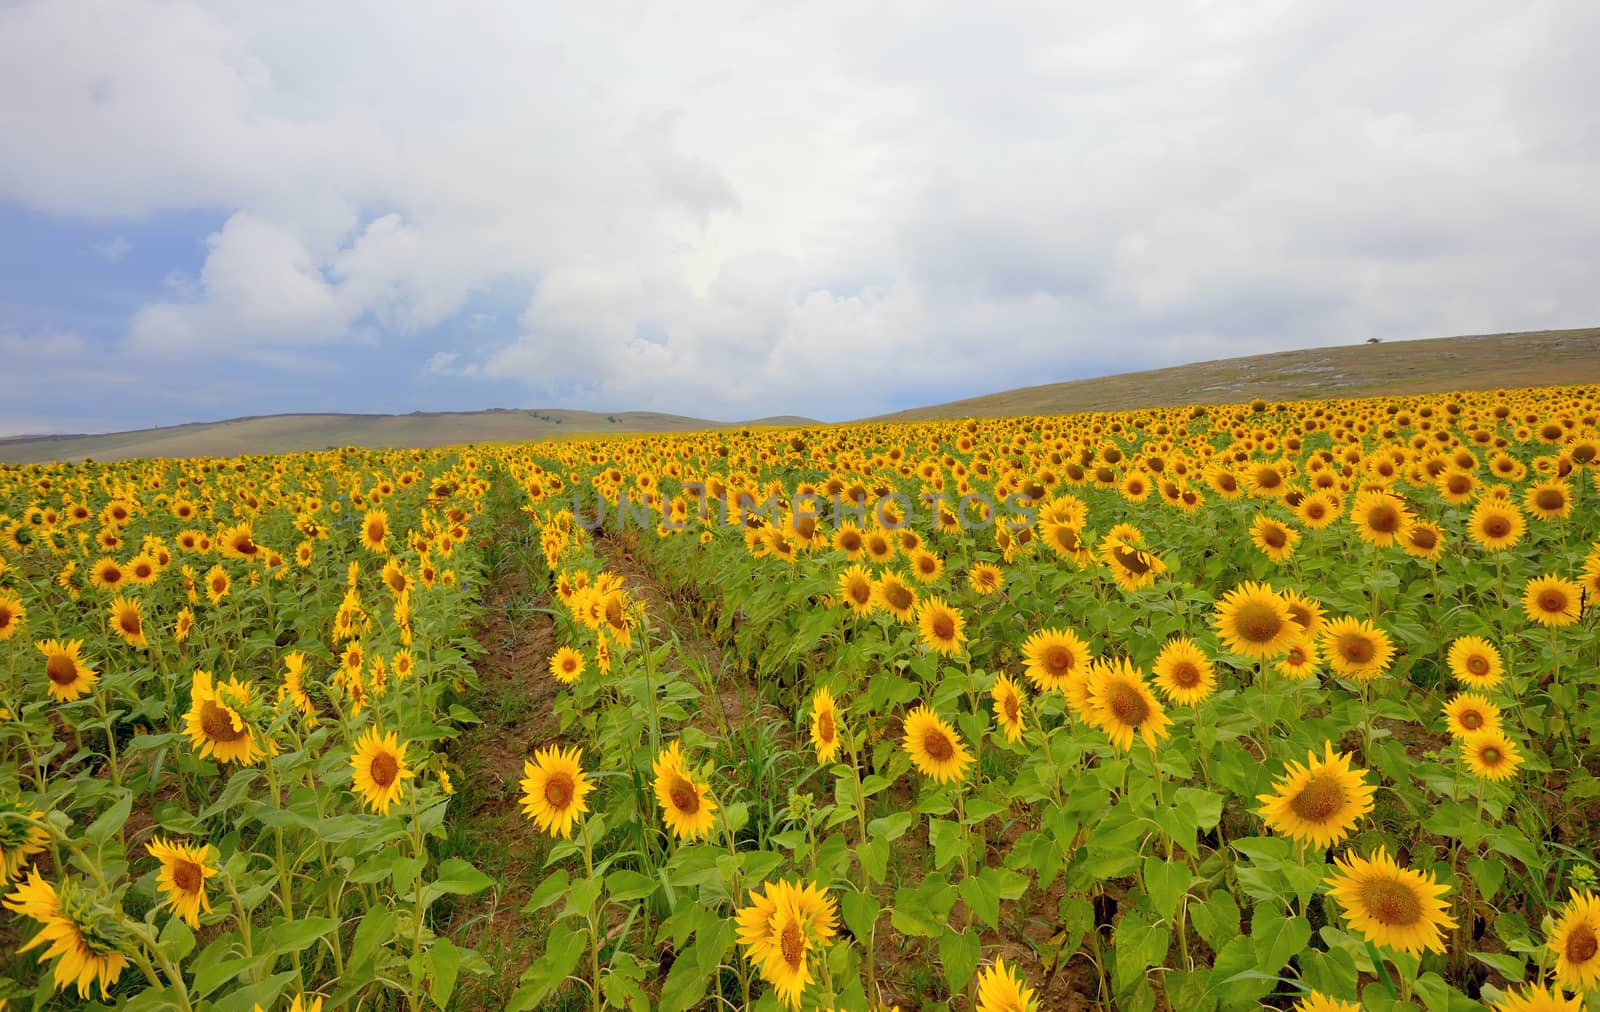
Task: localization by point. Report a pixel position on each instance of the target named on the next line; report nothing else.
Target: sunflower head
(936, 750)
(825, 726)
(378, 769)
(69, 677)
(1255, 622)
(1576, 942)
(1318, 803)
(553, 789)
(686, 805)
(1389, 905)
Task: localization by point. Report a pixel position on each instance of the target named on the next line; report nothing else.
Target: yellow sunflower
(553, 789)
(1423, 540)
(1121, 704)
(985, 579)
(935, 748)
(1491, 755)
(925, 566)
(1132, 565)
(1476, 662)
(781, 929)
(217, 584)
(1002, 989)
(1053, 656)
(1183, 673)
(1551, 601)
(1390, 905)
(686, 806)
(12, 614)
(86, 938)
(1275, 540)
(893, 595)
(1380, 517)
(20, 839)
(566, 665)
(1550, 499)
(182, 878)
(238, 542)
(1316, 1001)
(825, 726)
(1300, 660)
(1576, 942)
(1254, 622)
(215, 724)
(1470, 713)
(855, 589)
(379, 769)
(940, 626)
(1320, 802)
(1534, 998)
(1356, 648)
(375, 532)
(183, 626)
(70, 678)
(127, 621)
(1009, 702)
(106, 574)
(294, 688)
(1495, 525)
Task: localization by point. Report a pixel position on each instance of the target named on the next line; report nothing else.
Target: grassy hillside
(286, 433)
(1452, 363)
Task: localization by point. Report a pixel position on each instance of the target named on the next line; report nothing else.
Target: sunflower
(848, 540)
(893, 595)
(20, 838)
(1275, 540)
(183, 874)
(940, 626)
(1470, 713)
(217, 584)
(1356, 648)
(1120, 703)
(1008, 705)
(394, 576)
(553, 789)
(781, 928)
(1380, 517)
(878, 546)
(686, 806)
(70, 678)
(855, 589)
(127, 621)
(106, 574)
(1065, 540)
(1300, 660)
(294, 684)
(85, 935)
(1476, 662)
(375, 532)
(1053, 656)
(1552, 601)
(925, 566)
(566, 665)
(1132, 566)
(1550, 499)
(1495, 525)
(142, 569)
(1423, 540)
(985, 579)
(1534, 998)
(935, 748)
(1318, 803)
(1254, 622)
(1002, 989)
(1491, 755)
(12, 614)
(379, 769)
(1183, 673)
(824, 726)
(1316, 1001)
(1390, 905)
(1576, 942)
(215, 725)
(1318, 510)
(238, 542)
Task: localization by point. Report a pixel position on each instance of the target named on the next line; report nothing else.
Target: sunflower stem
(594, 925)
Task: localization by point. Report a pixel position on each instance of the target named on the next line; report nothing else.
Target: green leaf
(110, 822)
(860, 912)
(947, 840)
(625, 885)
(1217, 919)
(958, 954)
(376, 928)
(563, 947)
(292, 936)
(982, 901)
(444, 962)
(1278, 939)
(550, 890)
(177, 941)
(459, 878)
(1165, 882)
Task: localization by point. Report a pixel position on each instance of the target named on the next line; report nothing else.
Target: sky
(736, 210)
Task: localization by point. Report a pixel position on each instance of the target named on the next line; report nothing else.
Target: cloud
(829, 209)
(111, 250)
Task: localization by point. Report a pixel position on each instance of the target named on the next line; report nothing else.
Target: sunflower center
(1013, 707)
(383, 769)
(1321, 797)
(110, 575)
(1185, 675)
(944, 627)
(1356, 648)
(217, 722)
(1058, 660)
(558, 791)
(187, 876)
(1392, 903)
(1132, 560)
(1497, 527)
(792, 944)
(937, 745)
(860, 592)
(1490, 756)
(1127, 704)
(1067, 538)
(825, 726)
(1582, 944)
(1258, 622)
(1549, 499)
(1424, 538)
(130, 623)
(850, 541)
(61, 669)
(375, 532)
(1275, 537)
(1471, 720)
(1459, 484)
(1553, 602)
(1478, 665)
(899, 597)
(684, 797)
(1384, 519)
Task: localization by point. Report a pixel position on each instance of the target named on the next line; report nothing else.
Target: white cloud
(111, 250)
(824, 208)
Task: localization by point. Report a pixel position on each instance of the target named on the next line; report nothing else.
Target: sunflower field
(1271, 705)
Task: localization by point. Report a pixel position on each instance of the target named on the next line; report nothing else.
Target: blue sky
(735, 209)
